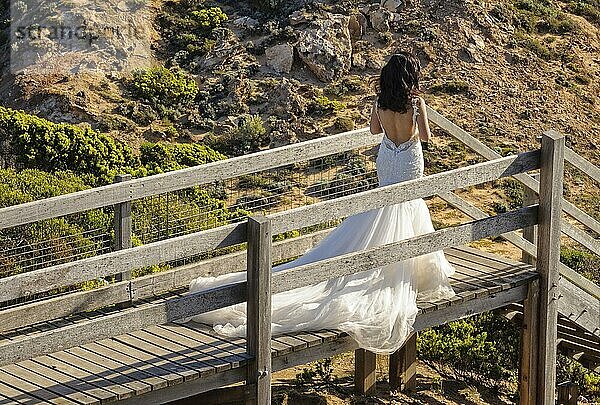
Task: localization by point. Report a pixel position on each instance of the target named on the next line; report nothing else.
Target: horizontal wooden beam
(582, 164)
(408, 190)
(181, 247)
(121, 322)
(355, 262)
(144, 287)
(579, 298)
(180, 179)
(470, 307)
(66, 274)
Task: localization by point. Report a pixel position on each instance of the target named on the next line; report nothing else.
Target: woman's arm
(375, 125)
(423, 121)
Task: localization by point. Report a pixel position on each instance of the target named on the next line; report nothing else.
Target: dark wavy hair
(398, 82)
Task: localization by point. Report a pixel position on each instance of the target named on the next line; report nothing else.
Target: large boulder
(325, 46)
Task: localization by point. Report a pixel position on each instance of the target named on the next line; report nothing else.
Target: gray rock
(392, 5)
(280, 57)
(325, 46)
(380, 19)
(246, 22)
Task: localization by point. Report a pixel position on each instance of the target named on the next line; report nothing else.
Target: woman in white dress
(376, 307)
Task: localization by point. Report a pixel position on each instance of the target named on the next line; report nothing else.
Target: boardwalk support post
(403, 366)
(122, 226)
(529, 346)
(548, 258)
(259, 310)
(365, 377)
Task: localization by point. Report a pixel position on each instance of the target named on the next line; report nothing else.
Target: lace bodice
(396, 163)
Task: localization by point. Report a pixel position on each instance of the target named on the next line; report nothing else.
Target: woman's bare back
(398, 127)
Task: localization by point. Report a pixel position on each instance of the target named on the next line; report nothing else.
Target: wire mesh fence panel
(60, 240)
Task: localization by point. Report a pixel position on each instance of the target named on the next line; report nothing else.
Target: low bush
(160, 86)
(32, 142)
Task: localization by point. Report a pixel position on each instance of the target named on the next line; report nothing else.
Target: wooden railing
(257, 232)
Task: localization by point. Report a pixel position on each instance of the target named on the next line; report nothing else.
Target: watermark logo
(72, 36)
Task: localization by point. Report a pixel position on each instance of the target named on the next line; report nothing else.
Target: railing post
(530, 233)
(122, 226)
(403, 366)
(258, 332)
(365, 364)
(548, 257)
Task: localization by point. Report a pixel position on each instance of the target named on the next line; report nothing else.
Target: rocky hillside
(504, 70)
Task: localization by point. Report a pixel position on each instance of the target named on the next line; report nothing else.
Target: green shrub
(54, 240)
(207, 19)
(542, 16)
(164, 157)
(590, 9)
(452, 87)
(484, 345)
(587, 264)
(163, 87)
(33, 142)
(249, 136)
(323, 105)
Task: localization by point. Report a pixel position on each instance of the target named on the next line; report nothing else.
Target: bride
(376, 307)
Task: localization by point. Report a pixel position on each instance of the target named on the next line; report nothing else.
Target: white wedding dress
(376, 307)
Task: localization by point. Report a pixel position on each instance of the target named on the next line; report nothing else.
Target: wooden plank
(91, 268)
(403, 366)
(130, 386)
(355, 262)
(81, 387)
(221, 348)
(548, 257)
(400, 192)
(104, 386)
(11, 395)
(206, 352)
(188, 367)
(258, 326)
(180, 392)
(33, 390)
(43, 383)
(126, 366)
(119, 323)
(365, 376)
(470, 307)
(180, 179)
(171, 372)
(582, 164)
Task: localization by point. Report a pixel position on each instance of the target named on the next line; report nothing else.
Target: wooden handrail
(184, 178)
(582, 164)
(67, 274)
(131, 319)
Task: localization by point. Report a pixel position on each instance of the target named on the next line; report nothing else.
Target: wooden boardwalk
(167, 362)
(60, 343)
